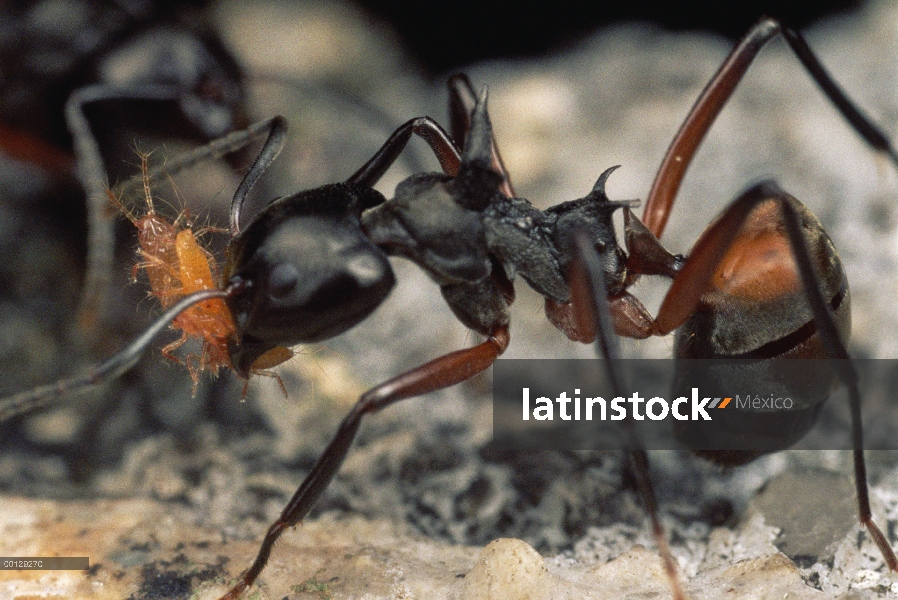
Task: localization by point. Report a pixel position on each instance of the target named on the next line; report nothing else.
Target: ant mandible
(314, 264)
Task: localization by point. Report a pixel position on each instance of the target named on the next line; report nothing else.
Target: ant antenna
(116, 365)
(270, 150)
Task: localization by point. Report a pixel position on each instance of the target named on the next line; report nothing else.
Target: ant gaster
(314, 264)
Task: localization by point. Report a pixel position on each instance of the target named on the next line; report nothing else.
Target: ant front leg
(443, 372)
(443, 147)
(47, 395)
(715, 96)
(452, 161)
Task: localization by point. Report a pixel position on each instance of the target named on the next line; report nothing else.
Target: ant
(311, 265)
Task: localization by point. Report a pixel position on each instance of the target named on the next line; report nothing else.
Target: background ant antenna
(270, 150)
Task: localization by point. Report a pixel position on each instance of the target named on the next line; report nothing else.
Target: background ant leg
(442, 372)
(116, 365)
(715, 96)
(92, 175)
(589, 295)
(462, 101)
(425, 128)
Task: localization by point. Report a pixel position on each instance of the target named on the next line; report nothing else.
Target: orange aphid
(176, 265)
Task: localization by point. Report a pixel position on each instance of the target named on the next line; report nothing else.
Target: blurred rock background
(579, 103)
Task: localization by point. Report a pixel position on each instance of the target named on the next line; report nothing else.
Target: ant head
(304, 271)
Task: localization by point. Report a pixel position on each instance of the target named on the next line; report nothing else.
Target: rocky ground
(170, 495)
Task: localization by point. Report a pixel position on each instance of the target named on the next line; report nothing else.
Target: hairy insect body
(176, 266)
(209, 321)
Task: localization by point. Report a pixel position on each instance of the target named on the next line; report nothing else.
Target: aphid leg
(168, 350)
(195, 364)
(427, 129)
(119, 363)
(148, 260)
(445, 371)
(263, 365)
(716, 94)
(274, 376)
(462, 101)
(589, 297)
(211, 229)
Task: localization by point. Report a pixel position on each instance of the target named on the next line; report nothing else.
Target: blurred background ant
(82, 84)
(584, 103)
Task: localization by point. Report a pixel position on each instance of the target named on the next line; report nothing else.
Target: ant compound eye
(282, 280)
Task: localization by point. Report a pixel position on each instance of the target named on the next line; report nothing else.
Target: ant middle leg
(589, 298)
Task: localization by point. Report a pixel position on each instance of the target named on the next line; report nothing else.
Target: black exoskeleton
(314, 264)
